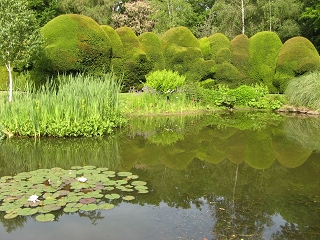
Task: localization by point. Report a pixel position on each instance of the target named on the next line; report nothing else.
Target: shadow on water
(222, 176)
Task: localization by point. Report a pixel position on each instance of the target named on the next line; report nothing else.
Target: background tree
(44, 10)
(310, 22)
(19, 36)
(99, 10)
(134, 14)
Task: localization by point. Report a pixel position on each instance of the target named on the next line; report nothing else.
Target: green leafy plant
(164, 81)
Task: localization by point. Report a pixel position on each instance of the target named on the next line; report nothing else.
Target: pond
(234, 175)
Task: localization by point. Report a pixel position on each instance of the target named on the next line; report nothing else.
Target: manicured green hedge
(74, 43)
(240, 53)
(151, 44)
(182, 53)
(296, 57)
(136, 64)
(264, 48)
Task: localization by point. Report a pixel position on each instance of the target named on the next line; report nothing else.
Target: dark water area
(239, 175)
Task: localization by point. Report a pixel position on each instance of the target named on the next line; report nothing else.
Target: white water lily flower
(82, 179)
(33, 198)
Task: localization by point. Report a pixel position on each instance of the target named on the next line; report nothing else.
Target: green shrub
(151, 44)
(182, 54)
(264, 48)
(136, 64)
(304, 91)
(217, 42)
(240, 54)
(164, 81)
(74, 43)
(296, 57)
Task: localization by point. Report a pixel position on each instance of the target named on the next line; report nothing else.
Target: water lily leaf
(124, 174)
(87, 200)
(128, 198)
(143, 191)
(133, 177)
(45, 217)
(10, 215)
(70, 210)
(27, 211)
(139, 187)
(138, 183)
(112, 196)
(51, 207)
(89, 207)
(105, 206)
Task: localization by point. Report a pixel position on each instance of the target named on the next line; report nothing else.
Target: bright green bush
(240, 54)
(264, 48)
(164, 81)
(136, 64)
(74, 43)
(182, 54)
(151, 44)
(304, 91)
(211, 45)
(296, 57)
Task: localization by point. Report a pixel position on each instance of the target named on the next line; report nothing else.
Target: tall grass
(76, 106)
(305, 91)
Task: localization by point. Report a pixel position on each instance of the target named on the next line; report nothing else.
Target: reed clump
(72, 106)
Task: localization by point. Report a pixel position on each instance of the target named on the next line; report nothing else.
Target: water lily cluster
(44, 191)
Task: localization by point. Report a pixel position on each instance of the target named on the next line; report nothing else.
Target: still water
(224, 176)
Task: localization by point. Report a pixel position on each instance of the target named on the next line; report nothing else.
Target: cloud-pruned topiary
(264, 48)
(240, 54)
(296, 57)
(136, 64)
(75, 43)
(151, 44)
(182, 53)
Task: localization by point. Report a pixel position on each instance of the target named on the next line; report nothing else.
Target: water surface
(223, 176)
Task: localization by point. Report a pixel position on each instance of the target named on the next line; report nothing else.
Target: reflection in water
(231, 176)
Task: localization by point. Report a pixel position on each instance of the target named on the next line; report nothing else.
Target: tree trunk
(242, 15)
(9, 68)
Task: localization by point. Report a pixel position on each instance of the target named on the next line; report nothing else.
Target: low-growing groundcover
(44, 191)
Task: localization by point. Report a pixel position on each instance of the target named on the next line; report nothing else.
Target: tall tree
(99, 10)
(261, 15)
(19, 36)
(310, 22)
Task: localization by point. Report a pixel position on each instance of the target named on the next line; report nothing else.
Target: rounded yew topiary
(151, 44)
(136, 64)
(240, 53)
(296, 57)
(264, 48)
(182, 53)
(74, 43)
(210, 46)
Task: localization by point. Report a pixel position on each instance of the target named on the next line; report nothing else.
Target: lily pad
(89, 207)
(27, 211)
(138, 183)
(112, 196)
(128, 198)
(105, 206)
(45, 217)
(87, 200)
(10, 215)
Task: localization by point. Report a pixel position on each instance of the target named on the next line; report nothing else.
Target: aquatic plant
(44, 191)
(82, 106)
